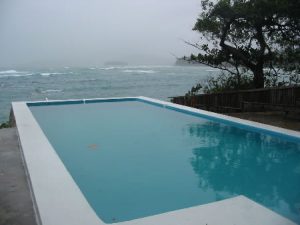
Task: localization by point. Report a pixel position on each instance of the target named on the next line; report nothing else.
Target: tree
(260, 37)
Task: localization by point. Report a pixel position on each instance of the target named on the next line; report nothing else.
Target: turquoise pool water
(132, 159)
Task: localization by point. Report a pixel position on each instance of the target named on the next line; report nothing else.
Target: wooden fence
(266, 99)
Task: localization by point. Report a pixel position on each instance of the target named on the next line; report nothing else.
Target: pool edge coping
(30, 153)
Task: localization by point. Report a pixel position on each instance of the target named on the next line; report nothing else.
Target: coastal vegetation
(254, 42)
(5, 125)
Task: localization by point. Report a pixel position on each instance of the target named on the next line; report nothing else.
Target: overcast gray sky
(91, 32)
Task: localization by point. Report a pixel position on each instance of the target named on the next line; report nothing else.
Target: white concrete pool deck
(58, 200)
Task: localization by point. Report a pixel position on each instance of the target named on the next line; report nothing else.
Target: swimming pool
(136, 157)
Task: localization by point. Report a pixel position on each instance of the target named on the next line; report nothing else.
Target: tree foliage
(258, 37)
(4, 125)
(222, 83)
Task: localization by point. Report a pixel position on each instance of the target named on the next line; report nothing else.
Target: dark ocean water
(158, 82)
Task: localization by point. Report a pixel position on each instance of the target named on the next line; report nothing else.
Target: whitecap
(48, 74)
(15, 75)
(51, 90)
(56, 73)
(108, 68)
(8, 71)
(45, 74)
(127, 71)
(138, 71)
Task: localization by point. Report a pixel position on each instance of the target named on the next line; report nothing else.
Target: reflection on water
(261, 167)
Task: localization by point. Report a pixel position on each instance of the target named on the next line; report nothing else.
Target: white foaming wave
(51, 90)
(108, 68)
(45, 74)
(15, 75)
(138, 71)
(48, 74)
(8, 71)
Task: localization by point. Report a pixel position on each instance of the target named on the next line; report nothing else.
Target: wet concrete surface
(16, 207)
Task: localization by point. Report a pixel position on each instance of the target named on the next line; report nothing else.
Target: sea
(160, 82)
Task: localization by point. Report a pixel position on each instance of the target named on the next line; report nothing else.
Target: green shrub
(4, 125)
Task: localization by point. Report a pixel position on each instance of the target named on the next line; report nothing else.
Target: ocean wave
(8, 71)
(51, 90)
(138, 71)
(15, 75)
(49, 74)
(45, 74)
(134, 67)
(147, 67)
(108, 68)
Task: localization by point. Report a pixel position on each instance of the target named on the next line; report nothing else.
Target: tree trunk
(259, 78)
